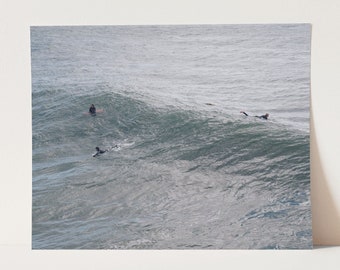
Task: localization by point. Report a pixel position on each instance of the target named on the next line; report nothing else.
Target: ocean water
(189, 170)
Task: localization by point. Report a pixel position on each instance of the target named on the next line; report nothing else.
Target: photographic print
(171, 137)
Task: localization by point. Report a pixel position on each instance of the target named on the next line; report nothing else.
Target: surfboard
(97, 111)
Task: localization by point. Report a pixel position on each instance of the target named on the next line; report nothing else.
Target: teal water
(185, 175)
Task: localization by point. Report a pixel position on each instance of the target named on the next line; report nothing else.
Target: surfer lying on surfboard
(265, 116)
(99, 151)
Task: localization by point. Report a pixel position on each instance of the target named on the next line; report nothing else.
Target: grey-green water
(185, 174)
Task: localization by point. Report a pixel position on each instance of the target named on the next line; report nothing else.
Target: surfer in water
(99, 152)
(265, 116)
(92, 110)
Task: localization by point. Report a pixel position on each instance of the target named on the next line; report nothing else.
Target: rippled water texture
(188, 170)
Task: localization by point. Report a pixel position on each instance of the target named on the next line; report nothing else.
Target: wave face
(189, 171)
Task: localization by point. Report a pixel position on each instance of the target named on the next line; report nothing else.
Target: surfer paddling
(265, 116)
(99, 152)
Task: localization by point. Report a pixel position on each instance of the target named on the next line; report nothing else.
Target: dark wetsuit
(99, 152)
(92, 109)
(265, 116)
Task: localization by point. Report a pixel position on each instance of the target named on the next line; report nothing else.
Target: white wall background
(15, 138)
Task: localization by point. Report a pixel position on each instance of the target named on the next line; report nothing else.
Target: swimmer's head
(97, 148)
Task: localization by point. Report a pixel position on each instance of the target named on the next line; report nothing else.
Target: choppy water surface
(189, 172)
